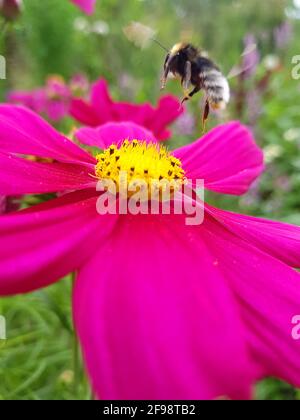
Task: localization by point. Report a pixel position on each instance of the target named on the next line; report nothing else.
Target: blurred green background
(53, 37)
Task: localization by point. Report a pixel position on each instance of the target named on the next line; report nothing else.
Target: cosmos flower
(79, 85)
(10, 9)
(87, 6)
(163, 310)
(102, 109)
(53, 100)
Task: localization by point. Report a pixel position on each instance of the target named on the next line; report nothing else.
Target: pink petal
(268, 294)
(227, 158)
(81, 111)
(155, 119)
(280, 240)
(62, 200)
(22, 131)
(20, 97)
(87, 6)
(101, 102)
(155, 317)
(168, 111)
(165, 135)
(140, 114)
(113, 133)
(21, 176)
(40, 246)
(57, 109)
(99, 111)
(103, 109)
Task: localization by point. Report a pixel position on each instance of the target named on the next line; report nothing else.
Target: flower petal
(268, 294)
(83, 112)
(20, 176)
(227, 158)
(103, 109)
(24, 132)
(155, 317)
(87, 6)
(281, 240)
(27, 99)
(156, 119)
(102, 102)
(42, 245)
(57, 109)
(113, 133)
(168, 111)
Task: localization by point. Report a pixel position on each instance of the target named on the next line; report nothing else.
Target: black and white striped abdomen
(216, 87)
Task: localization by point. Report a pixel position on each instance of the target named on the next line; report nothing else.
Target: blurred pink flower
(251, 57)
(283, 34)
(254, 106)
(10, 9)
(163, 310)
(102, 109)
(79, 85)
(53, 100)
(283, 183)
(87, 6)
(185, 124)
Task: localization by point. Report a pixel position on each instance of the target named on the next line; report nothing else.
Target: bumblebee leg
(194, 91)
(163, 82)
(191, 94)
(164, 78)
(185, 99)
(205, 115)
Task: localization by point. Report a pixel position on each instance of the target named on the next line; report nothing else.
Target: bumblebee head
(176, 59)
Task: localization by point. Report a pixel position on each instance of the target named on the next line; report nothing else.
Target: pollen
(147, 164)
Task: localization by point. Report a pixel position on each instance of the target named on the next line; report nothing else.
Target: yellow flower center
(144, 163)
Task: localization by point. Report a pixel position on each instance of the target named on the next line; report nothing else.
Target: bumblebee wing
(139, 34)
(245, 65)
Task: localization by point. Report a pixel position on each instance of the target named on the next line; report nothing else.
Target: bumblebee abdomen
(216, 87)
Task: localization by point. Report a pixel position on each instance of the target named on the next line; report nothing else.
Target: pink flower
(79, 85)
(251, 56)
(163, 310)
(283, 34)
(10, 9)
(87, 6)
(102, 109)
(53, 100)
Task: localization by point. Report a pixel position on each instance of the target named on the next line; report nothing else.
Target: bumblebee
(197, 73)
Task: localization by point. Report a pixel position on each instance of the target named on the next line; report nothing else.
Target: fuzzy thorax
(147, 164)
